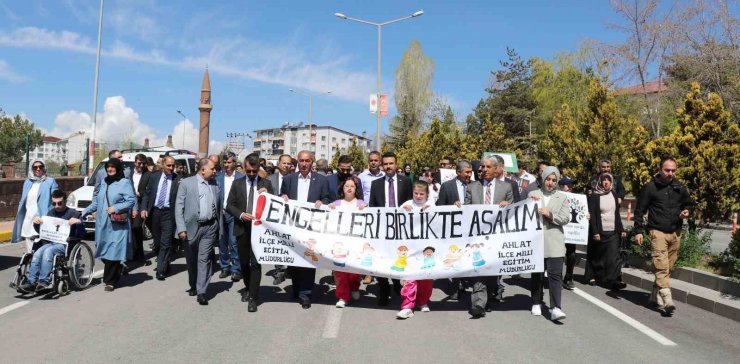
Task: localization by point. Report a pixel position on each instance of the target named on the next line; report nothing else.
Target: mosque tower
(205, 108)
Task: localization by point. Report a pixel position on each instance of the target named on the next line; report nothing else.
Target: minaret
(205, 108)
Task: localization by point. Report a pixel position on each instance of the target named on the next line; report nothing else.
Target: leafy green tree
(335, 157)
(413, 94)
(13, 133)
(359, 159)
(706, 144)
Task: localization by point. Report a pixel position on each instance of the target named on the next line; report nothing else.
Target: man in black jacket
(667, 203)
(240, 203)
(139, 180)
(605, 166)
(158, 205)
(389, 191)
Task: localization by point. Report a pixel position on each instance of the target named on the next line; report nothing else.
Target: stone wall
(11, 189)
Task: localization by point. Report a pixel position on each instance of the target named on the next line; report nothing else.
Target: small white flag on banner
(373, 103)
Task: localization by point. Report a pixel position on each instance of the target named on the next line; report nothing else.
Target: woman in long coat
(35, 201)
(605, 232)
(112, 238)
(555, 213)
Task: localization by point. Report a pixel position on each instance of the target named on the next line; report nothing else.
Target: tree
(441, 139)
(492, 139)
(335, 158)
(359, 159)
(13, 133)
(706, 144)
(413, 94)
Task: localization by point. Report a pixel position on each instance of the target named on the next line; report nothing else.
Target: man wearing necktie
(389, 191)
(489, 191)
(198, 223)
(305, 186)
(158, 200)
(240, 204)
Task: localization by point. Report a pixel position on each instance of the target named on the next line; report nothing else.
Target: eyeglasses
(38, 168)
(345, 170)
(251, 171)
(60, 203)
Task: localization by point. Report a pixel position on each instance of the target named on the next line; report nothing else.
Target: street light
(379, 26)
(183, 127)
(91, 160)
(310, 108)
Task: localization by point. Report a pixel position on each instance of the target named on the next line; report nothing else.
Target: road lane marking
(12, 307)
(333, 321)
(628, 320)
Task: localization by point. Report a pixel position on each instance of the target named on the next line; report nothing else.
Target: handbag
(147, 233)
(119, 217)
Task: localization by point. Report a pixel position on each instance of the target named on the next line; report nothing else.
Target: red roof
(51, 139)
(651, 87)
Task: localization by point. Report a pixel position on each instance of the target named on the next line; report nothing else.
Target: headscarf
(548, 171)
(33, 177)
(599, 189)
(116, 163)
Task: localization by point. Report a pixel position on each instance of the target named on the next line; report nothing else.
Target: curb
(681, 291)
(6, 235)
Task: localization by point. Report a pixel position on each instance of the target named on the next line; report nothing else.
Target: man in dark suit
(389, 191)
(284, 167)
(240, 204)
(453, 193)
(344, 171)
(227, 248)
(159, 202)
(305, 186)
(139, 180)
(489, 191)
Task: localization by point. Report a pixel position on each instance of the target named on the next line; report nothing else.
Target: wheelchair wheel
(80, 264)
(63, 288)
(20, 273)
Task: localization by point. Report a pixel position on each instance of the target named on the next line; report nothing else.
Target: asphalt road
(149, 321)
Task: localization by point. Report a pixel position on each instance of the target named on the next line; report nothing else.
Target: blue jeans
(228, 255)
(43, 262)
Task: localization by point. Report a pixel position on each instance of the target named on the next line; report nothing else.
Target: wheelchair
(71, 271)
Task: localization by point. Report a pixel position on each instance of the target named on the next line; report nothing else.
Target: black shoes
(477, 312)
(160, 277)
(27, 287)
(236, 277)
(616, 286)
(489, 307)
(224, 274)
(305, 301)
(568, 284)
(245, 296)
(252, 307)
(383, 300)
(202, 300)
(191, 292)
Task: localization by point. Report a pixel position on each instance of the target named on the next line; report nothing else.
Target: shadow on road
(8, 262)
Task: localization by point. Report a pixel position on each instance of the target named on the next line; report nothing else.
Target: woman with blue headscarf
(555, 213)
(35, 201)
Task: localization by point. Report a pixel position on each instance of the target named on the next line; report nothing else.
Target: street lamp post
(183, 127)
(379, 26)
(310, 110)
(91, 160)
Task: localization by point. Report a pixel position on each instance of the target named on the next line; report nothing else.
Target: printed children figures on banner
(472, 240)
(576, 231)
(54, 229)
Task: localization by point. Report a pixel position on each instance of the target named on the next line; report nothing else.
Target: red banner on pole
(383, 105)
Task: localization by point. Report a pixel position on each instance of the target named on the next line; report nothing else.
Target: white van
(82, 197)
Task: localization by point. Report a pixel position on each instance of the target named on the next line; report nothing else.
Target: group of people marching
(213, 208)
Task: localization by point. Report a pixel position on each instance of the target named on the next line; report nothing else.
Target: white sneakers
(355, 295)
(341, 304)
(556, 314)
(425, 308)
(536, 310)
(405, 313)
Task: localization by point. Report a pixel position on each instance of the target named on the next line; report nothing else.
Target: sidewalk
(6, 231)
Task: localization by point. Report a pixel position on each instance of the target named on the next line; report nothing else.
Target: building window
(323, 138)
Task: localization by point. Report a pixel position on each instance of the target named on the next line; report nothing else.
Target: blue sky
(154, 54)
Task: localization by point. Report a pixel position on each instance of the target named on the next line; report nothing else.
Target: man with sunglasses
(140, 180)
(158, 201)
(667, 203)
(240, 203)
(39, 272)
(344, 171)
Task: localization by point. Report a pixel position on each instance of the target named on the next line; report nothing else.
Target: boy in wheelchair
(38, 277)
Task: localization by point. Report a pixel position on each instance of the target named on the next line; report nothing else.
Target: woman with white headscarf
(35, 201)
(555, 213)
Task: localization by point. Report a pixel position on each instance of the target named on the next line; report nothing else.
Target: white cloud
(7, 73)
(281, 65)
(119, 122)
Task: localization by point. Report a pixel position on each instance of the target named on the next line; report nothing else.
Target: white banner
(576, 231)
(54, 229)
(440, 242)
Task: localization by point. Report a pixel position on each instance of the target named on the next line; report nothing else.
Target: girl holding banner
(347, 284)
(555, 213)
(416, 292)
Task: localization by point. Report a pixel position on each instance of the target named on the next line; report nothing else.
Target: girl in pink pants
(416, 292)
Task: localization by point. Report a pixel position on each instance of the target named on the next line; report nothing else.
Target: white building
(291, 139)
(70, 150)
